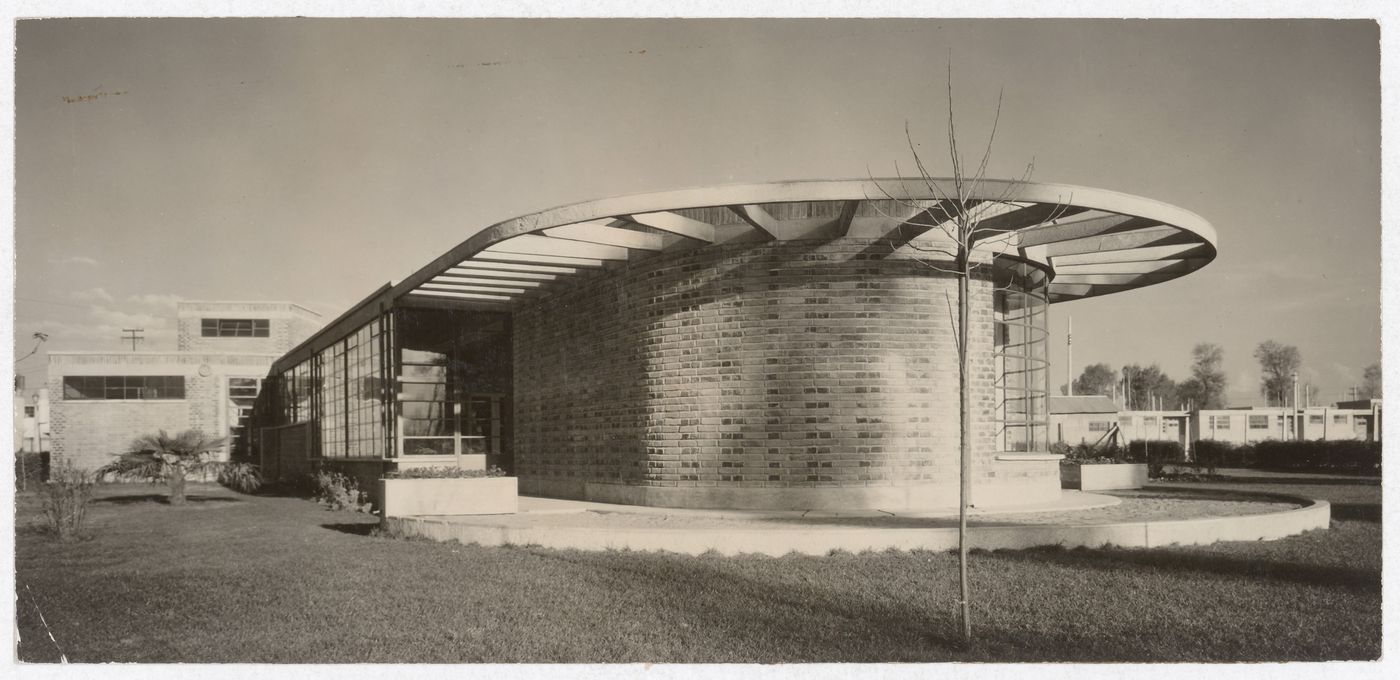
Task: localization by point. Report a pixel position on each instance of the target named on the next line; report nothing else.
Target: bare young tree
(964, 240)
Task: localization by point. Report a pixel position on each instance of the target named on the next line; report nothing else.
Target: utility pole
(132, 335)
(1069, 354)
(1297, 431)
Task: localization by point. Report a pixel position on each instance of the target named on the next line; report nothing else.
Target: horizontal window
(77, 387)
(1258, 422)
(1099, 425)
(1315, 420)
(1220, 422)
(234, 328)
(1339, 419)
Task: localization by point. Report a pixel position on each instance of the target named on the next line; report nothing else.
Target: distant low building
(101, 401)
(1089, 419)
(1318, 423)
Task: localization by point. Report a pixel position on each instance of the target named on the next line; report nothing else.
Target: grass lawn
(265, 579)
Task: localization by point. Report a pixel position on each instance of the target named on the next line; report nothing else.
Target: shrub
(66, 498)
(339, 492)
(1088, 454)
(443, 473)
(31, 469)
(1156, 453)
(242, 477)
(1319, 456)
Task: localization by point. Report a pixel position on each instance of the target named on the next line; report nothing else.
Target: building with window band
(770, 346)
(100, 401)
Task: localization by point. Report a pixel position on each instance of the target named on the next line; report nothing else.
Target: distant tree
(1277, 364)
(1205, 389)
(1096, 379)
(1146, 386)
(1370, 383)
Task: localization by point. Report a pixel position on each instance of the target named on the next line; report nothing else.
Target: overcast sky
(313, 160)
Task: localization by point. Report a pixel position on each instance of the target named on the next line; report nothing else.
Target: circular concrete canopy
(1093, 241)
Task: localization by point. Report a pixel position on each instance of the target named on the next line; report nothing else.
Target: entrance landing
(1147, 518)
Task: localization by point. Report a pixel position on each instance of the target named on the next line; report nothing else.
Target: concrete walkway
(1147, 518)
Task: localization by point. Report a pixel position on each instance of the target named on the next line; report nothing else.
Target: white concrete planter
(467, 496)
(1104, 477)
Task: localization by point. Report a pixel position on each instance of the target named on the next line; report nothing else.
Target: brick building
(787, 345)
(100, 401)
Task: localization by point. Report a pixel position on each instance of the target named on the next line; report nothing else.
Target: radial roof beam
(472, 267)
(483, 297)
(603, 233)
(1153, 267)
(676, 224)
(529, 259)
(1155, 236)
(1133, 280)
(485, 283)
(531, 244)
(763, 221)
(501, 275)
(1149, 254)
(842, 224)
(1069, 231)
(1004, 224)
(440, 288)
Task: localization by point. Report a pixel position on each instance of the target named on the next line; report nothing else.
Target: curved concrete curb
(776, 542)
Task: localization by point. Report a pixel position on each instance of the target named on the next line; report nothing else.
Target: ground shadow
(1177, 559)
(354, 528)
(163, 499)
(1363, 512)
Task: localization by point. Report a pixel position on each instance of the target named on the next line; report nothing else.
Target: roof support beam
(605, 234)
(507, 270)
(842, 224)
(461, 296)
(1000, 226)
(1155, 236)
(526, 258)
(676, 224)
(1153, 267)
(506, 277)
(760, 219)
(482, 286)
(1148, 254)
(1069, 231)
(531, 244)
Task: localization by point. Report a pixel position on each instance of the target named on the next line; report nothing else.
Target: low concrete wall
(463, 496)
(1104, 477)
(820, 541)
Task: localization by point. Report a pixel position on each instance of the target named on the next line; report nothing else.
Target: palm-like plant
(162, 458)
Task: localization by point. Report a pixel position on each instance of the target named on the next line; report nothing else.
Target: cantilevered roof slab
(1093, 241)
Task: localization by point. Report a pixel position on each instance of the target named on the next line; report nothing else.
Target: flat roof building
(767, 346)
(101, 401)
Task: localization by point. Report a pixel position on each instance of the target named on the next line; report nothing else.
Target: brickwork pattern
(789, 364)
(288, 325)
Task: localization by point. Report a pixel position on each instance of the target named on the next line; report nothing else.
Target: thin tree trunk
(177, 486)
(965, 412)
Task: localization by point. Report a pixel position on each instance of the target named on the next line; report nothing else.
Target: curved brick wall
(787, 375)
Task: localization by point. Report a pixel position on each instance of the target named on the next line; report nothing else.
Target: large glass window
(353, 395)
(234, 328)
(453, 383)
(1021, 306)
(78, 388)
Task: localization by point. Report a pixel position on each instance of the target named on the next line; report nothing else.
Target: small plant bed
(448, 491)
(443, 472)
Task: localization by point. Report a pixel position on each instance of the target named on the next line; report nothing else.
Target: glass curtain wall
(1021, 312)
(454, 383)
